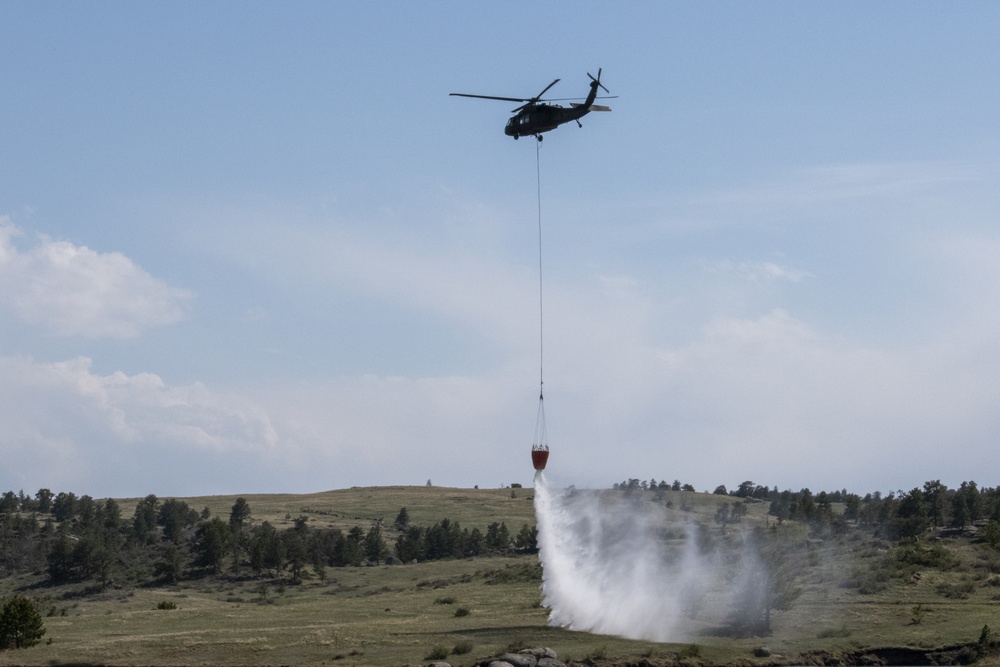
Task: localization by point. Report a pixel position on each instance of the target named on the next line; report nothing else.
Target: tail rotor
(598, 80)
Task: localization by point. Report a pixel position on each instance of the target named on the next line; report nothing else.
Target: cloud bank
(70, 290)
(732, 358)
(67, 427)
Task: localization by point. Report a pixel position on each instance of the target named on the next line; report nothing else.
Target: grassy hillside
(345, 508)
(854, 593)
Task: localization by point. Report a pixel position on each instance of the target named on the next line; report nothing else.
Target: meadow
(855, 594)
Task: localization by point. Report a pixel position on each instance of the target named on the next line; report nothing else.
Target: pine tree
(20, 624)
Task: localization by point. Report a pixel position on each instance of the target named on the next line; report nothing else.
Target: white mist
(611, 567)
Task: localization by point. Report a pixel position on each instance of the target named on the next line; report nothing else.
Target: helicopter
(536, 115)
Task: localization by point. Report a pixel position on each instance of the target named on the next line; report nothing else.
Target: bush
(20, 624)
(166, 604)
(690, 651)
(461, 648)
(461, 611)
(959, 590)
(437, 653)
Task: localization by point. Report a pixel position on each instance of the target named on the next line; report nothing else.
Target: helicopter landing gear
(539, 137)
(579, 124)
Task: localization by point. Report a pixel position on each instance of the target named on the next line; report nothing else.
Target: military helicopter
(536, 115)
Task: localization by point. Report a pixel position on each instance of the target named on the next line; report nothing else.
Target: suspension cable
(541, 436)
(541, 316)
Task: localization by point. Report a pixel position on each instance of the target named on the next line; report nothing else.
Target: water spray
(617, 564)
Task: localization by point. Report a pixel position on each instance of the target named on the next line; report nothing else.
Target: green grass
(387, 616)
(346, 508)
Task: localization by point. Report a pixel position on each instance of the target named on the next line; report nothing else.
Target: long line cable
(541, 311)
(541, 436)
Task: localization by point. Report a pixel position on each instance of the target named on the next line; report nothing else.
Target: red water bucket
(539, 457)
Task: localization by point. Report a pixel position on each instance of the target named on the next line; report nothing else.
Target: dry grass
(386, 616)
(345, 508)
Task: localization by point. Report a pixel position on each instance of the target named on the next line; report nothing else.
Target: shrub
(166, 604)
(690, 651)
(437, 653)
(830, 633)
(599, 653)
(462, 647)
(959, 590)
(20, 624)
(461, 611)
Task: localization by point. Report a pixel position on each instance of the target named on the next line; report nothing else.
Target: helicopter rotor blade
(544, 90)
(568, 99)
(598, 80)
(492, 97)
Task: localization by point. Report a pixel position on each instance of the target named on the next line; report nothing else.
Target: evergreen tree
(175, 516)
(266, 548)
(410, 545)
(350, 549)
(527, 538)
(474, 543)
(20, 624)
(497, 537)
(60, 560)
(239, 514)
(375, 546)
(44, 499)
(110, 515)
(144, 519)
(213, 542)
(936, 497)
(966, 505)
(171, 563)
(911, 519)
(64, 506)
(9, 503)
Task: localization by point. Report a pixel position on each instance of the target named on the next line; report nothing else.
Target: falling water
(617, 566)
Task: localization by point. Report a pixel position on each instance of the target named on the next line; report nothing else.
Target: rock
(439, 664)
(762, 652)
(392, 560)
(521, 659)
(550, 662)
(541, 653)
(499, 663)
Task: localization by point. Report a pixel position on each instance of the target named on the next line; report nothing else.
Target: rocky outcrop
(529, 657)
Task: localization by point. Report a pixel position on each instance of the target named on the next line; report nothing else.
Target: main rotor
(532, 101)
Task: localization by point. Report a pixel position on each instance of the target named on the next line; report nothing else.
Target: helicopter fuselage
(538, 118)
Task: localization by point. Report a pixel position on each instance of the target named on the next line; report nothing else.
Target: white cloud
(70, 290)
(67, 426)
(706, 372)
(707, 377)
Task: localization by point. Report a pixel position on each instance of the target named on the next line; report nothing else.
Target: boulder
(541, 653)
(499, 663)
(520, 659)
(439, 664)
(550, 662)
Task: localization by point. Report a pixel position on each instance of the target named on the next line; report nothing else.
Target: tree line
(895, 515)
(80, 539)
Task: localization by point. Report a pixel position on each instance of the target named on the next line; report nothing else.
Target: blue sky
(253, 247)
